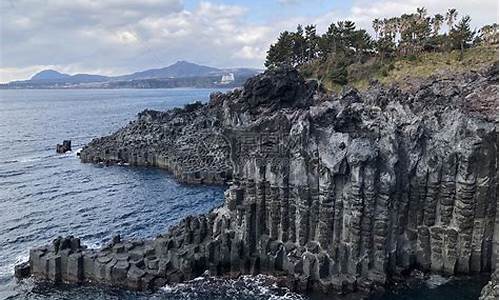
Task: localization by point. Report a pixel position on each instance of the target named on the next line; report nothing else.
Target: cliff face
(188, 142)
(330, 192)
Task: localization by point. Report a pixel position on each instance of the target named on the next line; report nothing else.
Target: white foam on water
(22, 258)
(259, 287)
(436, 280)
(68, 153)
(167, 288)
(8, 270)
(93, 245)
(28, 159)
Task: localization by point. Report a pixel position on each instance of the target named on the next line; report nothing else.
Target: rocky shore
(326, 192)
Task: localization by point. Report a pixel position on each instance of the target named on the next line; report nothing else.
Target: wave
(11, 173)
(28, 159)
(93, 245)
(25, 159)
(8, 269)
(436, 280)
(256, 287)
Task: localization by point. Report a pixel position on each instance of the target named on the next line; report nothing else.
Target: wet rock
(22, 270)
(134, 278)
(74, 268)
(119, 272)
(65, 147)
(490, 290)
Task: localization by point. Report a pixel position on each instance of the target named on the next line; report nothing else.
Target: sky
(115, 37)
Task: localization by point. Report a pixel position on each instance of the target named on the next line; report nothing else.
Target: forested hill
(412, 45)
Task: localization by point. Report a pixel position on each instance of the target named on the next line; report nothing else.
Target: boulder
(65, 147)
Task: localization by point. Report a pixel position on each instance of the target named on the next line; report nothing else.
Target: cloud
(126, 35)
(121, 36)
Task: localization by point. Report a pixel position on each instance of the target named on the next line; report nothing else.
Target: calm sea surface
(44, 195)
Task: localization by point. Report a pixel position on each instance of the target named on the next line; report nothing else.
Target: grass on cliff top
(403, 71)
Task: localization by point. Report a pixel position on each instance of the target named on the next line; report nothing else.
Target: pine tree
(343, 35)
(311, 41)
(281, 53)
(437, 22)
(362, 43)
(451, 16)
(337, 71)
(422, 12)
(436, 40)
(299, 46)
(331, 41)
(385, 47)
(377, 25)
(348, 31)
(461, 35)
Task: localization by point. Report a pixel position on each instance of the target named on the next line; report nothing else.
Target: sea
(44, 195)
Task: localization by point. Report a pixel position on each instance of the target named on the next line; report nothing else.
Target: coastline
(234, 230)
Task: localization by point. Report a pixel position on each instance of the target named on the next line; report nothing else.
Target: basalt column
(326, 208)
(327, 191)
(355, 216)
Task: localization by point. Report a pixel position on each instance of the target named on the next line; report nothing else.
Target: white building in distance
(227, 78)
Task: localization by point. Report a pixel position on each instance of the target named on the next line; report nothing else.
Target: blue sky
(267, 10)
(113, 37)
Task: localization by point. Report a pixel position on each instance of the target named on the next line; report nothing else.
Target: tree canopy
(405, 36)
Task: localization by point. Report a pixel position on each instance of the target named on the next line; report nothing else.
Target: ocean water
(44, 195)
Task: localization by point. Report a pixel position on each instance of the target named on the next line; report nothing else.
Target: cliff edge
(328, 192)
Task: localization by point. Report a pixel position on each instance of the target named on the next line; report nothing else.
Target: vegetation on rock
(345, 54)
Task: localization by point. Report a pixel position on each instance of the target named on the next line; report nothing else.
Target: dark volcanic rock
(280, 87)
(65, 147)
(22, 270)
(329, 192)
(490, 290)
(188, 142)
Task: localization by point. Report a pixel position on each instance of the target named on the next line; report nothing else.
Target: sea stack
(329, 192)
(65, 147)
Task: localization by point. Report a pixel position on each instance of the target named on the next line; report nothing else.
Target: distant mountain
(180, 69)
(49, 75)
(82, 78)
(179, 74)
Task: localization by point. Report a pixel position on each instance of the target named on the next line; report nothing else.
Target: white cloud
(131, 35)
(249, 52)
(9, 74)
(127, 37)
